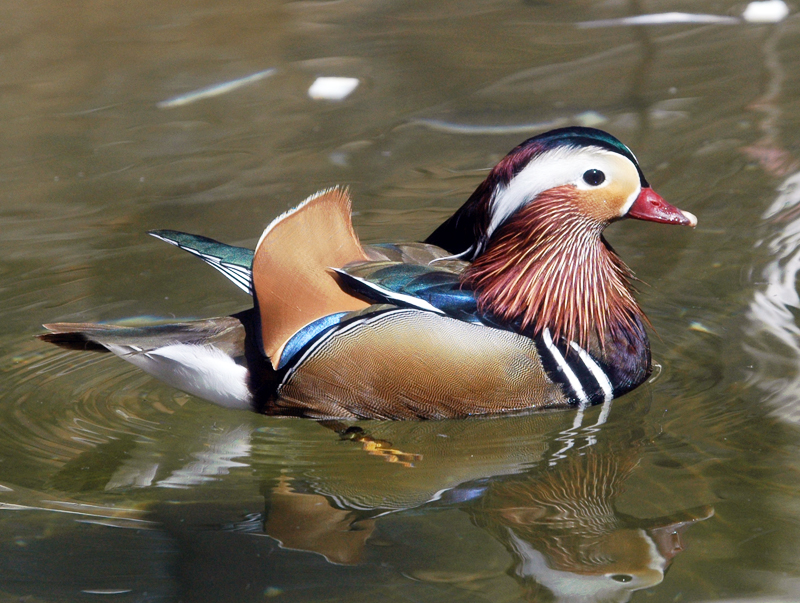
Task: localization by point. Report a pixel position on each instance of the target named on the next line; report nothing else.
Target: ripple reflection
(49, 420)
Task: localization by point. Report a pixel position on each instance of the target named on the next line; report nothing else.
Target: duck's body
(515, 303)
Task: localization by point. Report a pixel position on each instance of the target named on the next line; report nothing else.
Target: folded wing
(292, 269)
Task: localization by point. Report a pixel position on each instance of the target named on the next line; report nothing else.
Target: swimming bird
(515, 303)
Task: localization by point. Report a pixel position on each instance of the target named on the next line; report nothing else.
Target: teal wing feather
(411, 275)
(236, 263)
(435, 287)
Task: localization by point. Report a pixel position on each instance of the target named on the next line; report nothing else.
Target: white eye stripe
(558, 167)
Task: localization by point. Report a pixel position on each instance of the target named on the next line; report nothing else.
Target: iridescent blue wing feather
(434, 287)
(234, 262)
(427, 287)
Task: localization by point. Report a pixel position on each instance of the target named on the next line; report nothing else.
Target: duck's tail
(207, 358)
(72, 336)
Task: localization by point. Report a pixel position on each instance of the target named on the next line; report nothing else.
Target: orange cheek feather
(604, 204)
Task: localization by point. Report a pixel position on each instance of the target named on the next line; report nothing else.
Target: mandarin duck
(515, 303)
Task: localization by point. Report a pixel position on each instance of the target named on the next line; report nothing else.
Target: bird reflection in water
(555, 516)
(566, 537)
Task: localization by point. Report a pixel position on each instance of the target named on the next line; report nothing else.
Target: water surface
(117, 487)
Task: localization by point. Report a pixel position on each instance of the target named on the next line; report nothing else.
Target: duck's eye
(594, 177)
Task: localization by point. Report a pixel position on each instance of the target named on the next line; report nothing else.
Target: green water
(116, 487)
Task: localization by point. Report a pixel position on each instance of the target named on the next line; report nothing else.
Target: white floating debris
(332, 88)
(455, 128)
(770, 11)
(590, 119)
(215, 90)
(660, 19)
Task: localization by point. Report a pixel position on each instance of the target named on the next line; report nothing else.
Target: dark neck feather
(463, 230)
(466, 229)
(548, 266)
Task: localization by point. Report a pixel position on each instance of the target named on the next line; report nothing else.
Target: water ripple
(60, 404)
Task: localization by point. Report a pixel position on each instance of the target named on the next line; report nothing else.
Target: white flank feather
(202, 371)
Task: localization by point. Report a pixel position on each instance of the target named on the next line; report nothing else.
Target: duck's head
(533, 232)
(595, 177)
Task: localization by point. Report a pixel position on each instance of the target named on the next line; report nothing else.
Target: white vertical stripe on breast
(574, 382)
(602, 379)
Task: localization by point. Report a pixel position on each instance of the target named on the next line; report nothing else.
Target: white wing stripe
(406, 300)
(239, 275)
(234, 277)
